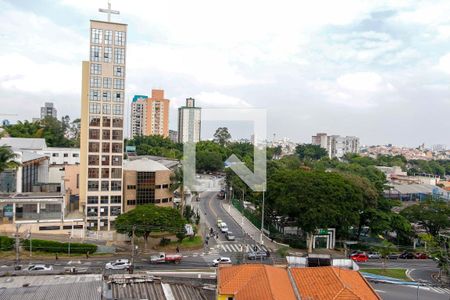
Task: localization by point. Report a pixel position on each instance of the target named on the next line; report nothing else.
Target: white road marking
(380, 291)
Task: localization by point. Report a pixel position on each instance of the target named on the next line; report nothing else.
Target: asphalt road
(399, 292)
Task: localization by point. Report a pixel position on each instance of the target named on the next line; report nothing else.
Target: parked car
(166, 258)
(221, 260)
(374, 255)
(120, 264)
(421, 256)
(406, 255)
(223, 227)
(360, 257)
(393, 256)
(229, 236)
(356, 252)
(39, 267)
(255, 255)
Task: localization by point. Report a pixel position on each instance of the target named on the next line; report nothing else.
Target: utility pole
(31, 243)
(17, 243)
(132, 248)
(70, 237)
(262, 219)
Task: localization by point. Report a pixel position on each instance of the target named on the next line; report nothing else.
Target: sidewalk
(248, 226)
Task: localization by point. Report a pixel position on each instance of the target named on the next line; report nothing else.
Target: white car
(40, 267)
(223, 227)
(221, 260)
(120, 264)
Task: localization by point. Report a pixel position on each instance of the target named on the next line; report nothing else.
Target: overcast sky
(376, 70)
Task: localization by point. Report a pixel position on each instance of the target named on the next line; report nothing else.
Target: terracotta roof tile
(330, 283)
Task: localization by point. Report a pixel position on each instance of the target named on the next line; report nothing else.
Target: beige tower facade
(102, 120)
(150, 116)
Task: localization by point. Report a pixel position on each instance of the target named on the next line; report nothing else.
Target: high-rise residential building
(173, 136)
(336, 146)
(102, 116)
(150, 116)
(48, 110)
(189, 122)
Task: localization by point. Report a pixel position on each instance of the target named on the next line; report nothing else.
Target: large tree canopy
(7, 158)
(222, 136)
(150, 218)
(310, 151)
(433, 215)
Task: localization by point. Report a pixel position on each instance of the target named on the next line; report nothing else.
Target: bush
(164, 242)
(58, 247)
(180, 236)
(6, 243)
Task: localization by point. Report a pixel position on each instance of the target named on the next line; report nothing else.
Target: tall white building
(189, 122)
(336, 146)
(48, 110)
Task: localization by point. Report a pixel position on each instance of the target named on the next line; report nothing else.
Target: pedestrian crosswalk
(435, 289)
(240, 247)
(441, 290)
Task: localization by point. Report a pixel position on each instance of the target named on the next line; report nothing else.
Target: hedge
(58, 247)
(6, 243)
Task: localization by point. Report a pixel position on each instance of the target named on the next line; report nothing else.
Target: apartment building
(337, 146)
(189, 122)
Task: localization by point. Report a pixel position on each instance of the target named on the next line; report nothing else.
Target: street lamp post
(262, 218)
(70, 237)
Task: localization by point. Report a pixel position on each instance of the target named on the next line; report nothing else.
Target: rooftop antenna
(109, 11)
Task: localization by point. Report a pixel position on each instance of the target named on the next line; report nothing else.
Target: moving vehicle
(223, 227)
(360, 257)
(219, 221)
(406, 255)
(120, 264)
(374, 255)
(229, 236)
(165, 258)
(255, 255)
(39, 267)
(221, 260)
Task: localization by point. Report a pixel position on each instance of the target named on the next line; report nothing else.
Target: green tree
(7, 157)
(433, 215)
(386, 249)
(149, 218)
(222, 136)
(310, 152)
(177, 184)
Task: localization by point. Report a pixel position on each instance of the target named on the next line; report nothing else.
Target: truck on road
(165, 258)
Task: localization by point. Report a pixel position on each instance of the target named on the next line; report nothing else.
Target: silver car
(260, 254)
(230, 236)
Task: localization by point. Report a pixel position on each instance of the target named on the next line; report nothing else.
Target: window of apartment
(92, 173)
(119, 38)
(105, 186)
(116, 185)
(106, 121)
(94, 134)
(116, 172)
(94, 108)
(95, 53)
(92, 212)
(105, 160)
(157, 201)
(117, 109)
(116, 199)
(104, 199)
(104, 211)
(165, 200)
(118, 96)
(106, 108)
(116, 147)
(165, 186)
(116, 160)
(107, 82)
(78, 181)
(117, 122)
(75, 155)
(55, 154)
(117, 135)
(93, 160)
(96, 36)
(119, 84)
(94, 121)
(94, 147)
(107, 54)
(118, 71)
(131, 202)
(108, 37)
(44, 228)
(158, 187)
(119, 56)
(106, 134)
(131, 187)
(94, 95)
(105, 172)
(95, 81)
(106, 96)
(92, 200)
(66, 154)
(115, 210)
(96, 69)
(92, 185)
(105, 147)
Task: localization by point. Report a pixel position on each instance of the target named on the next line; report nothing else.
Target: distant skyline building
(48, 110)
(102, 119)
(150, 116)
(189, 122)
(173, 136)
(336, 145)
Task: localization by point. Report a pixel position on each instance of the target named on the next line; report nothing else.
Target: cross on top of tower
(109, 11)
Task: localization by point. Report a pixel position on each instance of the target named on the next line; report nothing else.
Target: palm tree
(177, 184)
(7, 158)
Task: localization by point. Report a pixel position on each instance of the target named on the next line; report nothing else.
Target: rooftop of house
(255, 281)
(331, 283)
(143, 164)
(24, 143)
